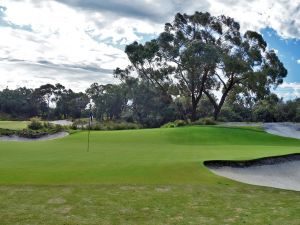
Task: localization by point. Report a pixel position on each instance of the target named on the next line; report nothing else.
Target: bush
(6, 132)
(35, 124)
(79, 124)
(176, 123)
(111, 125)
(28, 133)
(205, 121)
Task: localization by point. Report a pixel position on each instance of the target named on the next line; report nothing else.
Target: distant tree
(147, 104)
(265, 110)
(45, 94)
(110, 100)
(18, 102)
(71, 104)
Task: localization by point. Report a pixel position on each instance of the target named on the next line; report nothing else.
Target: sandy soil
(44, 138)
(284, 174)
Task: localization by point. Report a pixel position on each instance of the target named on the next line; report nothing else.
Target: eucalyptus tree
(247, 65)
(204, 54)
(183, 59)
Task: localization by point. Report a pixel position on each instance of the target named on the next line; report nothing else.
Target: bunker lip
(281, 172)
(271, 160)
(47, 137)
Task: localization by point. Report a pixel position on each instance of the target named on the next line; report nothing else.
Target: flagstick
(89, 131)
(88, 148)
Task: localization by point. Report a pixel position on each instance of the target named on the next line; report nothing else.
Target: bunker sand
(43, 138)
(279, 172)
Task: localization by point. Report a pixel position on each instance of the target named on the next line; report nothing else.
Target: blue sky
(288, 50)
(78, 42)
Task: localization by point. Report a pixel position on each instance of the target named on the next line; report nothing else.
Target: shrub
(169, 125)
(176, 123)
(35, 124)
(6, 132)
(180, 123)
(205, 121)
(112, 125)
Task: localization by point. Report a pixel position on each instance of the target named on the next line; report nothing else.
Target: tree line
(136, 101)
(48, 102)
(199, 66)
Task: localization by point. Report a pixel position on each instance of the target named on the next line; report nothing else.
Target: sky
(78, 42)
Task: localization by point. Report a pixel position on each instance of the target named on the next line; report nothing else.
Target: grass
(151, 176)
(13, 125)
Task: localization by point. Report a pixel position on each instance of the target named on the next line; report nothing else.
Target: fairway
(136, 176)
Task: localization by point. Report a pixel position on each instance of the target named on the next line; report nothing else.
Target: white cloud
(292, 85)
(75, 78)
(58, 37)
(84, 37)
(288, 90)
(298, 61)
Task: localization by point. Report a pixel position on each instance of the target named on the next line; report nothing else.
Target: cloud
(23, 73)
(288, 90)
(156, 11)
(74, 40)
(292, 85)
(298, 61)
(58, 45)
(281, 15)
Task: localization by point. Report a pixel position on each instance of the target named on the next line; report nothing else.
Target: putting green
(151, 176)
(152, 156)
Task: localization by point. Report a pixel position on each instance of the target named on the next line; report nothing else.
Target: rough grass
(153, 176)
(13, 125)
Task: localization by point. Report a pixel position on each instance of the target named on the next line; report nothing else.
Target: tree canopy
(204, 54)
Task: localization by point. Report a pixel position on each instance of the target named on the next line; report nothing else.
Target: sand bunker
(283, 129)
(240, 124)
(278, 172)
(62, 122)
(43, 138)
(287, 129)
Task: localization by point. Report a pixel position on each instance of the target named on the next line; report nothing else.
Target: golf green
(151, 176)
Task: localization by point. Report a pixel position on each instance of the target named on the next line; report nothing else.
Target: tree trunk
(194, 109)
(194, 113)
(216, 113)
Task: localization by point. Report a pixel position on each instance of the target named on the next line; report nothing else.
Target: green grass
(13, 125)
(152, 176)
